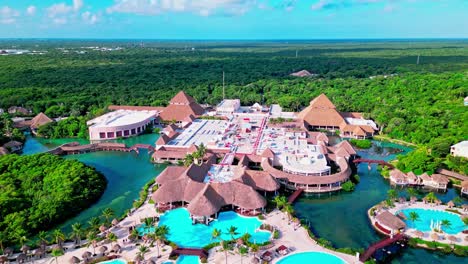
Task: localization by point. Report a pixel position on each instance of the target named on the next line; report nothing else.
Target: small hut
(115, 222)
(8, 251)
(116, 248)
(21, 258)
(418, 233)
(450, 204)
(102, 228)
(25, 249)
(413, 199)
(438, 202)
(452, 239)
(86, 255)
(39, 253)
(74, 260)
(402, 200)
(3, 259)
(102, 250)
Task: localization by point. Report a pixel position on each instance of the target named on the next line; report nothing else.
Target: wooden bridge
(76, 148)
(295, 195)
(201, 253)
(381, 244)
(370, 161)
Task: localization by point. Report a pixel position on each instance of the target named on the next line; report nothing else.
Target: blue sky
(234, 19)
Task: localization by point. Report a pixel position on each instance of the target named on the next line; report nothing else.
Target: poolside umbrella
(418, 233)
(402, 199)
(240, 241)
(25, 248)
(438, 202)
(450, 204)
(102, 228)
(8, 251)
(86, 255)
(115, 222)
(435, 236)
(413, 199)
(21, 258)
(74, 260)
(116, 248)
(150, 262)
(39, 252)
(452, 238)
(103, 249)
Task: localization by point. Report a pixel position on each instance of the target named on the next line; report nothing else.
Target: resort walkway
(292, 198)
(381, 244)
(380, 162)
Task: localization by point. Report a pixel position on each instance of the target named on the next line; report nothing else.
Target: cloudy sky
(234, 19)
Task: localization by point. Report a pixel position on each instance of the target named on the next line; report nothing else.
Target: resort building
(460, 149)
(399, 178)
(181, 108)
(321, 114)
(464, 188)
(13, 146)
(39, 120)
(228, 107)
(388, 223)
(303, 73)
(436, 181)
(19, 110)
(210, 188)
(120, 123)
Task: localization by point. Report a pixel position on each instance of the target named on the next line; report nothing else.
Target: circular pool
(312, 257)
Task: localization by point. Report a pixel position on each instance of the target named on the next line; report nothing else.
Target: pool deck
(298, 239)
(443, 237)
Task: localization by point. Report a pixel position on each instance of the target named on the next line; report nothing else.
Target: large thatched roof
(180, 107)
(389, 220)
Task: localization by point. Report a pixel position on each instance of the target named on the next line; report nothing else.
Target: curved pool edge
(278, 261)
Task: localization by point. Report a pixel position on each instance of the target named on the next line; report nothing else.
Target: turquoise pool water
(114, 261)
(183, 259)
(427, 215)
(184, 234)
(311, 257)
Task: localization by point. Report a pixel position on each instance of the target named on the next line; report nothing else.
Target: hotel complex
(248, 151)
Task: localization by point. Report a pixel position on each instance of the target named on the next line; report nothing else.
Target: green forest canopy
(40, 191)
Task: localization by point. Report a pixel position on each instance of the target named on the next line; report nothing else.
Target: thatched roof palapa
(389, 220)
(74, 260)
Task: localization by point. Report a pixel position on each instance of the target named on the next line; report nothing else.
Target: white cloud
(60, 12)
(8, 15)
(31, 10)
(199, 7)
(90, 18)
(77, 4)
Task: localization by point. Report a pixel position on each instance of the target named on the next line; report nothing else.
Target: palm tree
(59, 236)
(57, 252)
(161, 235)
(232, 231)
(246, 238)
(188, 160)
(412, 192)
(280, 201)
(289, 210)
(43, 237)
(392, 194)
(254, 248)
(148, 224)
(92, 240)
(112, 237)
(225, 247)
(445, 223)
(457, 201)
(431, 197)
(2, 238)
(142, 250)
(94, 223)
(107, 213)
(77, 232)
(215, 234)
(413, 216)
(135, 234)
(242, 252)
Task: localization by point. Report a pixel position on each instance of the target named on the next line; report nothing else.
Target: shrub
(276, 234)
(361, 143)
(348, 186)
(203, 260)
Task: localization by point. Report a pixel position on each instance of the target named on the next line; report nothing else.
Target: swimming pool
(184, 234)
(183, 259)
(114, 261)
(312, 257)
(427, 215)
